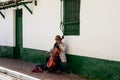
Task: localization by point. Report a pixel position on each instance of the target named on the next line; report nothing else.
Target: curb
(15, 74)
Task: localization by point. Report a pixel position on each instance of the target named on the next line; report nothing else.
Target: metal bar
(72, 22)
(2, 15)
(14, 5)
(35, 2)
(28, 8)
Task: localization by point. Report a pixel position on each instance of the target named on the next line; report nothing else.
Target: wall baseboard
(84, 66)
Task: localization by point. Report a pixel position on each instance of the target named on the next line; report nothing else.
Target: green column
(19, 42)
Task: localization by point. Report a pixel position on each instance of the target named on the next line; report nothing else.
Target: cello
(56, 51)
(51, 63)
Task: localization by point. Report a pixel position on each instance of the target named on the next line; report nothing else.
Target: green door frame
(18, 34)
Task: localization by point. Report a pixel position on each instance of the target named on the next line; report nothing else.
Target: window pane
(71, 17)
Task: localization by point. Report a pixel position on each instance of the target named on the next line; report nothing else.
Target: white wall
(99, 28)
(40, 28)
(7, 28)
(99, 34)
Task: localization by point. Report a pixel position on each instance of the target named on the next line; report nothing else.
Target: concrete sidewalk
(26, 67)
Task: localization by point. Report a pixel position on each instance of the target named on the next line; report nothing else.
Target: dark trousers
(58, 64)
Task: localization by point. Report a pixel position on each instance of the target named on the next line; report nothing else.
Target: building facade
(27, 32)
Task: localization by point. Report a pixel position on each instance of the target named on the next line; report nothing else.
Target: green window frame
(71, 17)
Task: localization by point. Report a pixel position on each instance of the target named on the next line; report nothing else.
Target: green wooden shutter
(71, 17)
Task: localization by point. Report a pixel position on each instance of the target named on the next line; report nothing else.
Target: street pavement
(20, 67)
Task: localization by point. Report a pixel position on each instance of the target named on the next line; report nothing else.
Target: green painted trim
(93, 68)
(33, 55)
(19, 37)
(6, 51)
